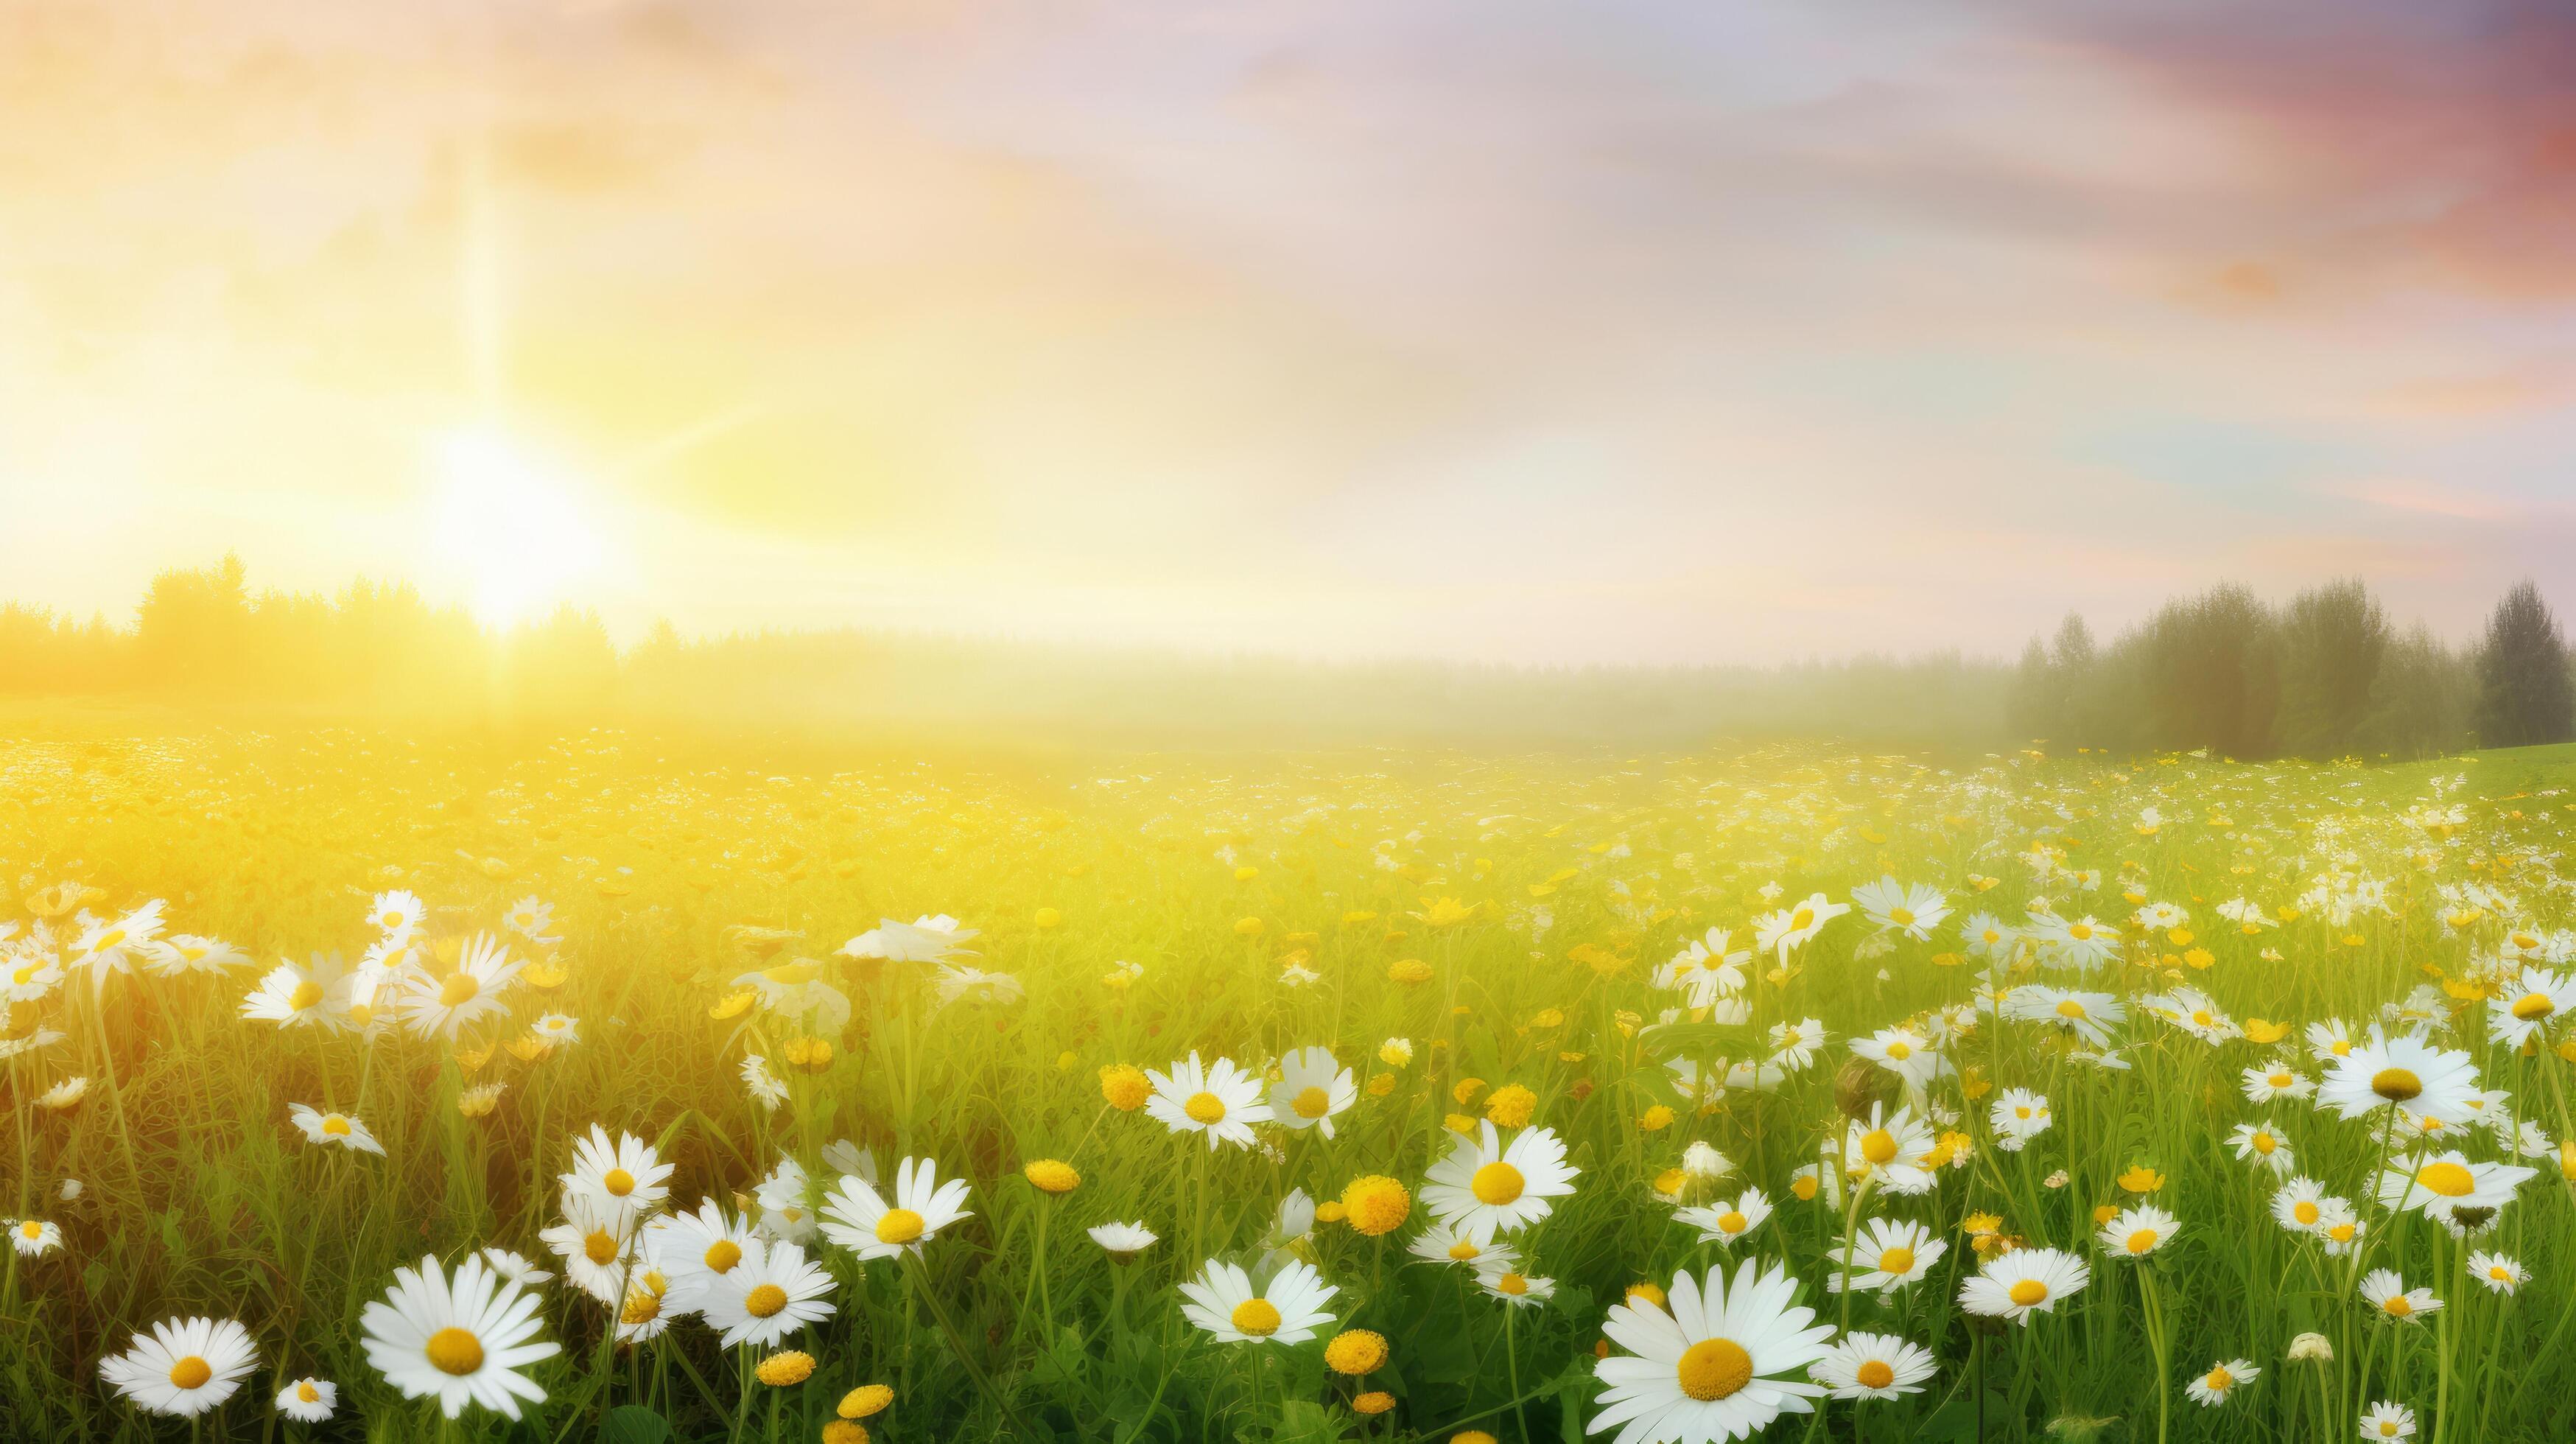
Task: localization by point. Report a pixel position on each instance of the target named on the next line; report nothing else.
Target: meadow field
(389, 1086)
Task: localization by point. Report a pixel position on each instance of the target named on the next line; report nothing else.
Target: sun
(511, 528)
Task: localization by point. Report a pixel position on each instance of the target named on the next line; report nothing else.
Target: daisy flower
(2089, 1016)
(694, 1249)
(624, 1178)
(1704, 971)
(2273, 1080)
(184, 954)
(2194, 1013)
(925, 939)
(1222, 1102)
(294, 996)
(2527, 1003)
(2385, 1291)
(1442, 1244)
(461, 1341)
(333, 1129)
(1123, 1241)
(106, 947)
(1791, 928)
(595, 1246)
(513, 1269)
(1903, 1052)
(529, 917)
(2223, 1379)
(1893, 1153)
(1287, 1309)
(1912, 910)
(1482, 1186)
(66, 1094)
(2382, 1072)
(2017, 1116)
(1794, 1045)
(1311, 1090)
(183, 1367)
(2299, 1205)
(1887, 1255)
(2024, 1282)
(2445, 1182)
(35, 1237)
(2388, 1419)
(2498, 1272)
(1724, 1223)
(2330, 1040)
(396, 915)
(1514, 1287)
(2138, 1232)
(433, 1006)
(2261, 1145)
(856, 1217)
(1717, 1361)
(774, 1291)
(1873, 1366)
(766, 1088)
(308, 1400)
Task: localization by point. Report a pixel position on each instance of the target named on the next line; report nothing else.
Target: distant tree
(2332, 640)
(2208, 673)
(192, 629)
(2421, 700)
(2523, 695)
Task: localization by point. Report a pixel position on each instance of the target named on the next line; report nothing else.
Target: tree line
(2326, 675)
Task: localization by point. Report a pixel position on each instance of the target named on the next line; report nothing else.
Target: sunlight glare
(511, 528)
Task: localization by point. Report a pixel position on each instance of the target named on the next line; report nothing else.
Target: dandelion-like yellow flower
(1511, 1106)
(1376, 1205)
(1355, 1352)
(779, 1370)
(1052, 1175)
(1124, 1085)
(865, 1401)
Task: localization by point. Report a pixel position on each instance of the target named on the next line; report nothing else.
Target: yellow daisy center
(1205, 1108)
(600, 1247)
(458, 990)
(1902, 917)
(454, 1351)
(2447, 1179)
(306, 994)
(1802, 919)
(2080, 932)
(336, 1126)
(1313, 1103)
(305, 1391)
(191, 1372)
(1513, 1284)
(1713, 1369)
(618, 1182)
(1732, 1222)
(2341, 1233)
(1897, 1260)
(1497, 1183)
(765, 1301)
(2220, 1380)
(2397, 1085)
(900, 1225)
(1900, 1051)
(2265, 1143)
(1878, 1146)
(2280, 1080)
(1257, 1317)
(2070, 1009)
(31, 1229)
(2399, 1305)
(2143, 1240)
(2304, 1211)
(2027, 1292)
(722, 1255)
(2533, 1005)
(1874, 1374)
(1463, 1250)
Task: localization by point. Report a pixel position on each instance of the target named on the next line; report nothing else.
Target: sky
(1695, 330)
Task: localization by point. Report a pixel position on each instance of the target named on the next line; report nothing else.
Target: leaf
(633, 1424)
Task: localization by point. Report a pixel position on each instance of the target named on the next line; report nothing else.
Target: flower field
(370, 1086)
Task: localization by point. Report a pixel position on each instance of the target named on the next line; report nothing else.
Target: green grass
(199, 1198)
